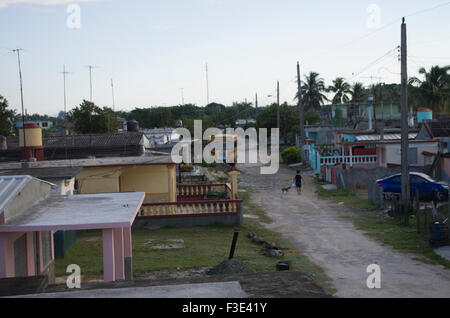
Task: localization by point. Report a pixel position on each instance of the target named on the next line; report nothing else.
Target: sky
(156, 50)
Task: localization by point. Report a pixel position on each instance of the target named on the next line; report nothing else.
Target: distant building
(72, 146)
(44, 124)
(244, 122)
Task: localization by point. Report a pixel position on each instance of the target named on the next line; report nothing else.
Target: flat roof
(78, 212)
(53, 173)
(94, 162)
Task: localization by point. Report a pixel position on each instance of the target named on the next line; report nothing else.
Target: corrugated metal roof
(385, 137)
(86, 141)
(10, 187)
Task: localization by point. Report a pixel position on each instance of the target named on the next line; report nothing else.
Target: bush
(291, 155)
(187, 168)
(312, 117)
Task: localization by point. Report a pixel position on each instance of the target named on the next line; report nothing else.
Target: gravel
(230, 266)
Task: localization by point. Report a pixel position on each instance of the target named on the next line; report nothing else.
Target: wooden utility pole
(21, 97)
(404, 126)
(278, 104)
(301, 115)
(256, 102)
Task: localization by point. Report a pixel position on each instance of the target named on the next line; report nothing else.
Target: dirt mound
(230, 266)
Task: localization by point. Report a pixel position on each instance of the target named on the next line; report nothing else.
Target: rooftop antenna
(90, 67)
(21, 94)
(207, 85)
(112, 92)
(182, 96)
(64, 73)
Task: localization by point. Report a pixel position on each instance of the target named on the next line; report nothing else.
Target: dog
(285, 190)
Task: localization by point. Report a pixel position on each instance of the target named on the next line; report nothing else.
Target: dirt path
(316, 227)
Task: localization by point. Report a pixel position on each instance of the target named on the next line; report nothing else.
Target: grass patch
(387, 231)
(253, 209)
(348, 198)
(203, 246)
(391, 232)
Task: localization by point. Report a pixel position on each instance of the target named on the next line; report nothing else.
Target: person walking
(298, 182)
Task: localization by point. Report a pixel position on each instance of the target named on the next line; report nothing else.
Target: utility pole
(301, 115)
(278, 104)
(182, 97)
(64, 73)
(256, 102)
(21, 96)
(207, 85)
(404, 126)
(90, 80)
(112, 92)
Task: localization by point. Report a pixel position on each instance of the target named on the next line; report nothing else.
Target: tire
(439, 196)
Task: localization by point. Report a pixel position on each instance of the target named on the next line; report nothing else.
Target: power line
(373, 63)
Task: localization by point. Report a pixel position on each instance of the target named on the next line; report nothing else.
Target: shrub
(291, 155)
(187, 168)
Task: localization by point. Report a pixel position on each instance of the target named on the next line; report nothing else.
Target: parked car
(429, 189)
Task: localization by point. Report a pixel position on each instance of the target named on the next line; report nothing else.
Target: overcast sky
(152, 49)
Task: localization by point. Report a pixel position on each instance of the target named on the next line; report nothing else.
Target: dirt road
(316, 227)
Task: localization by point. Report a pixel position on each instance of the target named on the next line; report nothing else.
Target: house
(63, 179)
(386, 146)
(44, 124)
(161, 136)
(438, 129)
(115, 169)
(71, 146)
(30, 213)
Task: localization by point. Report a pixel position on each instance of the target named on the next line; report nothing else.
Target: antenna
(21, 95)
(112, 92)
(207, 85)
(182, 96)
(90, 79)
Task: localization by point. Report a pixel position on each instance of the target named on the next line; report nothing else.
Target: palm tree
(357, 93)
(341, 89)
(312, 91)
(435, 88)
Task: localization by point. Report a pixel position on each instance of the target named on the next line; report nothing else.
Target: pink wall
(7, 253)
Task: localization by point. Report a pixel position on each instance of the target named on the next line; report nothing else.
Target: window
(396, 179)
(412, 156)
(417, 180)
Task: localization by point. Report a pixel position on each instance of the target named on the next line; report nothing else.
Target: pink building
(30, 213)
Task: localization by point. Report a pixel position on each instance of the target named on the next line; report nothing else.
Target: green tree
(313, 89)
(341, 90)
(88, 118)
(6, 116)
(357, 93)
(434, 88)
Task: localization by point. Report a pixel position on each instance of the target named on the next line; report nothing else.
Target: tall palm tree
(357, 93)
(341, 90)
(313, 88)
(435, 88)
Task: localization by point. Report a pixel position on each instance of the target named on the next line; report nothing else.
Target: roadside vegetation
(386, 230)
